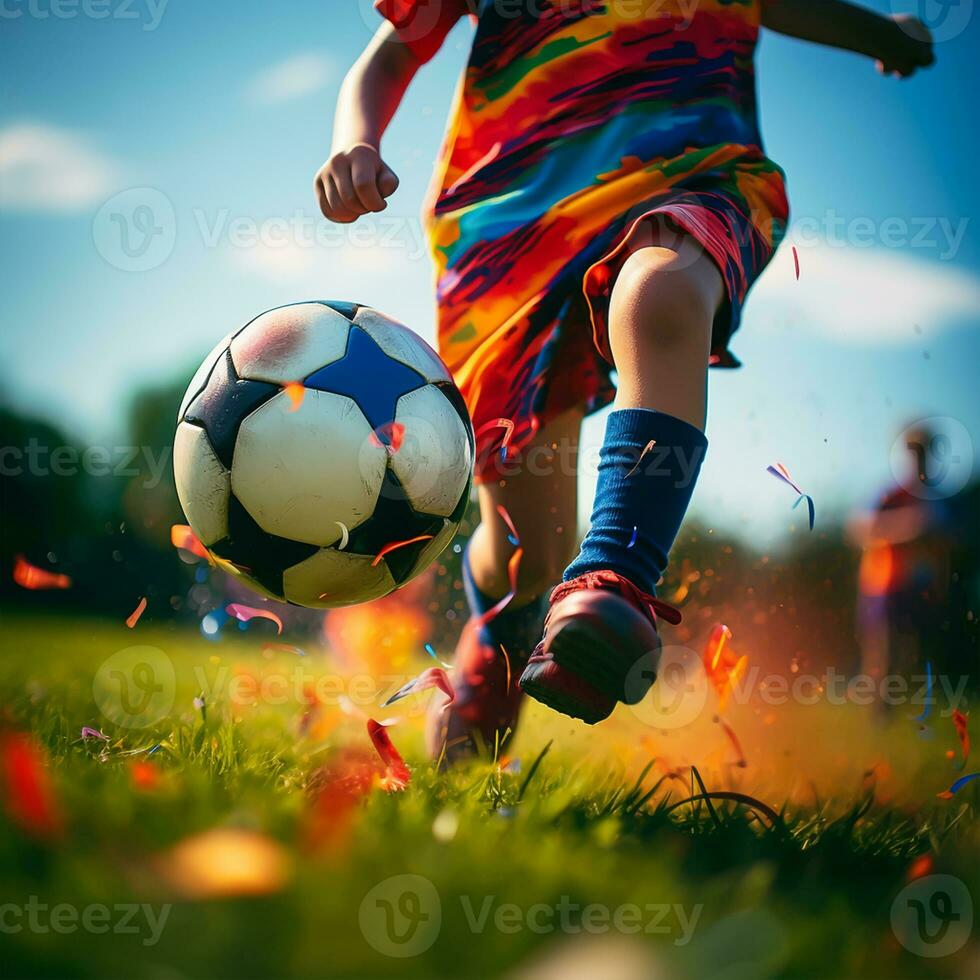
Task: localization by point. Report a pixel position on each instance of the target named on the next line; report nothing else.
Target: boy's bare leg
(538, 488)
(660, 318)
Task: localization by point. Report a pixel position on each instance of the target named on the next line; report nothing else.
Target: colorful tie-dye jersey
(580, 125)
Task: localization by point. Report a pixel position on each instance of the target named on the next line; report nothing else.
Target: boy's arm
(898, 44)
(355, 180)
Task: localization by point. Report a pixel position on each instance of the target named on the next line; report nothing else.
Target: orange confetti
(388, 548)
(245, 613)
(29, 576)
(646, 449)
(722, 665)
(134, 617)
(144, 775)
(296, 393)
(181, 536)
(388, 437)
(920, 867)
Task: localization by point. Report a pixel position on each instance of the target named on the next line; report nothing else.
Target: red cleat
(600, 646)
(488, 700)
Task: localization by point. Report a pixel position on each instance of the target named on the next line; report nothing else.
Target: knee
(665, 299)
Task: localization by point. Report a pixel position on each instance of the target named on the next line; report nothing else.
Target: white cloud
(865, 296)
(300, 75)
(286, 262)
(45, 168)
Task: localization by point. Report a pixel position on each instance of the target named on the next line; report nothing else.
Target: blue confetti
(632, 539)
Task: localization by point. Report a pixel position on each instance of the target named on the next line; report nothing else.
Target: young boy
(602, 202)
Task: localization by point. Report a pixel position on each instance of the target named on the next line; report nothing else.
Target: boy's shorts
(525, 333)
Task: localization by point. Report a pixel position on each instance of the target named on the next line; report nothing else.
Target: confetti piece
(722, 665)
(27, 795)
(514, 538)
(245, 613)
(296, 393)
(389, 437)
(144, 774)
(344, 539)
(29, 576)
(134, 617)
(88, 733)
(395, 545)
(781, 473)
(397, 774)
(920, 867)
(959, 723)
(736, 744)
(928, 704)
(646, 449)
(513, 567)
(958, 785)
(430, 650)
(506, 424)
(433, 677)
(181, 536)
(283, 648)
(503, 650)
(796, 262)
(632, 539)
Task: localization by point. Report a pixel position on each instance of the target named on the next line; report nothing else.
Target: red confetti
(28, 795)
(296, 393)
(506, 424)
(397, 774)
(134, 617)
(433, 677)
(959, 723)
(515, 538)
(144, 775)
(29, 576)
(796, 263)
(389, 437)
(920, 867)
(722, 665)
(245, 613)
(513, 566)
(181, 536)
(388, 548)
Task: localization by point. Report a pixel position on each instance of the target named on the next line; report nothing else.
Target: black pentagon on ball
(262, 556)
(394, 520)
(224, 402)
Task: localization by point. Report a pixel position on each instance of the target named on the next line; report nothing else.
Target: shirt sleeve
(423, 24)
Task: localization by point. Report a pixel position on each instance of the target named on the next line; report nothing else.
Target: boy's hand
(354, 182)
(909, 47)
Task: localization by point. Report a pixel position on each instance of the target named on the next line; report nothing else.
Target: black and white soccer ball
(311, 441)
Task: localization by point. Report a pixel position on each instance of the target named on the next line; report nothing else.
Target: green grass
(592, 818)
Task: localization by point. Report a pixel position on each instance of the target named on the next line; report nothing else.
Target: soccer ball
(323, 455)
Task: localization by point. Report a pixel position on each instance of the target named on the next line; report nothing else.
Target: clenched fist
(354, 182)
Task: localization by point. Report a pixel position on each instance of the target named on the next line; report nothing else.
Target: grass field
(255, 824)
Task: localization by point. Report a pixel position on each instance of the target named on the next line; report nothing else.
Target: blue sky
(225, 110)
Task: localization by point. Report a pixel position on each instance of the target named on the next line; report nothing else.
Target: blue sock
(640, 503)
(517, 630)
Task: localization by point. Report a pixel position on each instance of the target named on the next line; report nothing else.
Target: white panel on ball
(298, 472)
(201, 374)
(404, 345)
(433, 463)
(290, 343)
(335, 578)
(203, 484)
